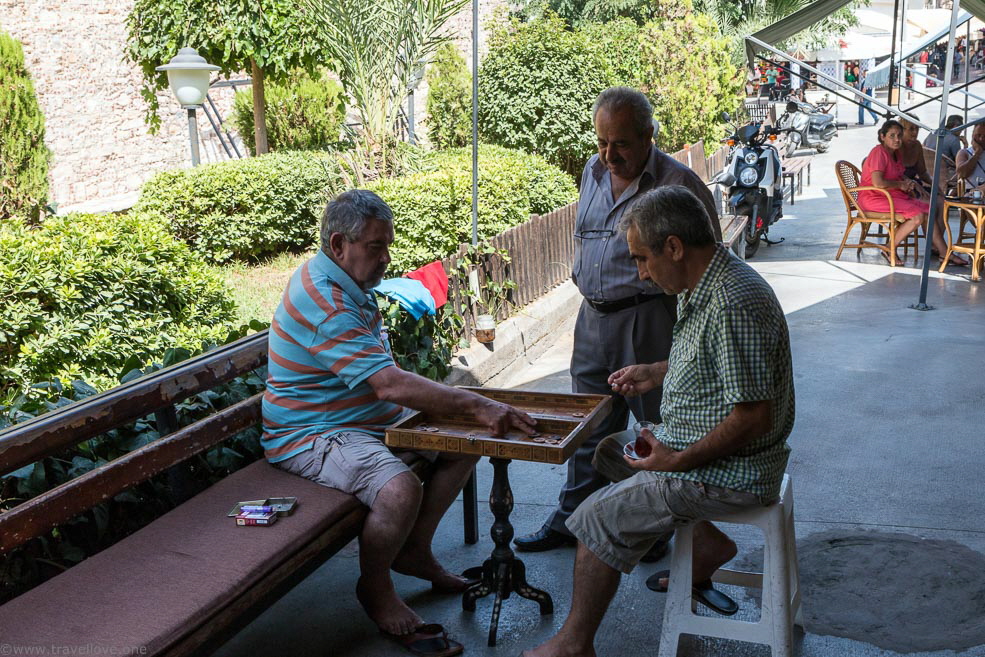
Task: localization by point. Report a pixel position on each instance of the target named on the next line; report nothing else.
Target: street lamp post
(188, 77)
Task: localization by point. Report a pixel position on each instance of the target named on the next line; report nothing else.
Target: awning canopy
(798, 21)
(878, 77)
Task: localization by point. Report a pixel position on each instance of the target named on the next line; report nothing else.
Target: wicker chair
(849, 179)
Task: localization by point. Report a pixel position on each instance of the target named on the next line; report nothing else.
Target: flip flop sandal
(469, 583)
(429, 640)
(703, 592)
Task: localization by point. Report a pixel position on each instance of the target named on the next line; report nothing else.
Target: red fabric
(880, 159)
(435, 279)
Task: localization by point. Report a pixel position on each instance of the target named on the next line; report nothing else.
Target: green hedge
(84, 294)
(244, 209)
(303, 114)
(433, 208)
(24, 158)
(537, 86)
(687, 106)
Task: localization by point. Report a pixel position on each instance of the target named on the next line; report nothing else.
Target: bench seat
(793, 174)
(165, 582)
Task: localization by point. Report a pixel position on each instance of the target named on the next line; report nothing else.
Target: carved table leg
(502, 573)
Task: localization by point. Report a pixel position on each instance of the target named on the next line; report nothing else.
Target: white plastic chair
(779, 581)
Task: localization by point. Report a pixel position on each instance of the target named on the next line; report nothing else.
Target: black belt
(621, 304)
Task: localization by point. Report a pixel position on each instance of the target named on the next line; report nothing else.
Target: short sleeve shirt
(325, 341)
(730, 345)
(603, 269)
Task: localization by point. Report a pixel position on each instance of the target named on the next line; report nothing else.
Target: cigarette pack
(282, 506)
(256, 519)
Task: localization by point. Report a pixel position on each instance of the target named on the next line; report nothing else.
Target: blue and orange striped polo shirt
(325, 341)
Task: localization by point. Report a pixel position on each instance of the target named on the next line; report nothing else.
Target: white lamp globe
(188, 76)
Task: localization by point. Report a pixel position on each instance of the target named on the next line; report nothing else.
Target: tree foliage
(738, 18)
(303, 113)
(536, 89)
(449, 104)
(379, 46)
(24, 158)
(277, 35)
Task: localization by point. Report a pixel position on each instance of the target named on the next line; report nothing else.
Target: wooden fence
(540, 252)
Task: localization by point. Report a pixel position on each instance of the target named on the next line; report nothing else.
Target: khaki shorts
(352, 462)
(621, 522)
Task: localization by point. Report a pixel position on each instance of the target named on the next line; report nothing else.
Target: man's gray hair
(348, 213)
(615, 99)
(666, 211)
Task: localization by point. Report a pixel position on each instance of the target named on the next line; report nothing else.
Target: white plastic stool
(779, 581)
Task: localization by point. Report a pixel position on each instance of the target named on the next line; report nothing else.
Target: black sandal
(703, 592)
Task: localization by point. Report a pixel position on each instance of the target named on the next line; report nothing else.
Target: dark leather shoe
(656, 553)
(542, 540)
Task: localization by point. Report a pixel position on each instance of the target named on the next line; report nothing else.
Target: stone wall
(94, 114)
(90, 96)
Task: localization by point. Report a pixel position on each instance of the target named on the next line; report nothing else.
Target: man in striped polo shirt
(333, 388)
(727, 409)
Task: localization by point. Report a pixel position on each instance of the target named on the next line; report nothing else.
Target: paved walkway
(887, 456)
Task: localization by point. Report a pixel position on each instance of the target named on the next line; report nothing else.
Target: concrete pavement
(887, 455)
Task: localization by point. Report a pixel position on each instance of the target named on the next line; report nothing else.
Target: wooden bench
(733, 230)
(793, 174)
(190, 579)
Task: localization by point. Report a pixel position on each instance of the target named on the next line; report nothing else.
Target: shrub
(115, 518)
(23, 156)
(433, 208)
(536, 89)
(302, 114)
(687, 105)
(449, 105)
(85, 293)
(244, 208)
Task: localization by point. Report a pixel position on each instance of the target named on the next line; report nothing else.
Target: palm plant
(379, 46)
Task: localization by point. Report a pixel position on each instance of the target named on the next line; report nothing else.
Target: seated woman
(883, 168)
(969, 161)
(915, 168)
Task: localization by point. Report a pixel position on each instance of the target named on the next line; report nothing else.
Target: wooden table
(973, 244)
(564, 421)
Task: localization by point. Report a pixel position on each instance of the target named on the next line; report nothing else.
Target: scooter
(808, 126)
(753, 180)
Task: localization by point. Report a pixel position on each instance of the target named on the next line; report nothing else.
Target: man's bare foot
(556, 646)
(386, 609)
(423, 565)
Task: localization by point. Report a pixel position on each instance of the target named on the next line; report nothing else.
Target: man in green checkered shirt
(727, 407)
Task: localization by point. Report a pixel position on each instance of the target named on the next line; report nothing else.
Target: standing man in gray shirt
(623, 320)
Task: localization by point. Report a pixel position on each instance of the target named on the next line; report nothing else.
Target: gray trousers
(603, 344)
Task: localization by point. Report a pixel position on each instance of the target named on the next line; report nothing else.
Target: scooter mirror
(726, 116)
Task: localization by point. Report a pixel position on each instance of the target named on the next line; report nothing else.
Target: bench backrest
(48, 434)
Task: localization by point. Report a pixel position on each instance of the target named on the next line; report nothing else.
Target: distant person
(863, 85)
(883, 168)
(951, 143)
(771, 82)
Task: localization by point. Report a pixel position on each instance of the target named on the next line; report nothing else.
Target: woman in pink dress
(883, 168)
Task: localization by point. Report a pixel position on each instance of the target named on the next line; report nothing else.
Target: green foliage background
(433, 208)
(24, 158)
(536, 89)
(302, 114)
(277, 34)
(244, 209)
(449, 104)
(83, 294)
(688, 90)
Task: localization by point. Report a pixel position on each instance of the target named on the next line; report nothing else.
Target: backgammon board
(564, 421)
